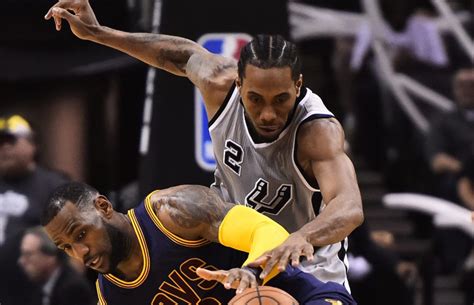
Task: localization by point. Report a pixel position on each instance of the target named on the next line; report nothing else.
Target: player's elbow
(359, 217)
(356, 217)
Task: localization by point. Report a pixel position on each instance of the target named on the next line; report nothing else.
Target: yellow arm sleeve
(247, 230)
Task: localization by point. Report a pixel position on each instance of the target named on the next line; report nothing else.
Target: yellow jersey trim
(146, 258)
(173, 237)
(99, 294)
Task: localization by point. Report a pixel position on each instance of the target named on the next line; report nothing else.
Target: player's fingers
(59, 14)
(49, 14)
(283, 261)
(253, 284)
(57, 22)
(62, 13)
(210, 275)
(268, 267)
(232, 280)
(245, 282)
(308, 252)
(66, 4)
(295, 258)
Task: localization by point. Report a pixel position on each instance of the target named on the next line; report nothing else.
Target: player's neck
(131, 266)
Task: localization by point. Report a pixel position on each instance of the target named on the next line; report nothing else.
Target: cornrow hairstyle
(270, 51)
(79, 194)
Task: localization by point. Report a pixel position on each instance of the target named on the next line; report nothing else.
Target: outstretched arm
(169, 53)
(212, 74)
(327, 162)
(194, 212)
(337, 180)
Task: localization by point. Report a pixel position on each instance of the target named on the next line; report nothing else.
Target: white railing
(455, 26)
(149, 87)
(311, 22)
(445, 213)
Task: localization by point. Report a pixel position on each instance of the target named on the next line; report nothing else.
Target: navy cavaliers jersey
(268, 178)
(168, 275)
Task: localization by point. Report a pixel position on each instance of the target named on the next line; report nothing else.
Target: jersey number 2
(233, 156)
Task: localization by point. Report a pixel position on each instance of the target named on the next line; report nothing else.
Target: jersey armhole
(222, 107)
(170, 235)
(312, 186)
(100, 297)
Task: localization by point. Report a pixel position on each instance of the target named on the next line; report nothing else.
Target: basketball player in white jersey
(275, 142)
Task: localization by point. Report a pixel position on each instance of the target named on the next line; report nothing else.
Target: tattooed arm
(212, 74)
(190, 211)
(193, 212)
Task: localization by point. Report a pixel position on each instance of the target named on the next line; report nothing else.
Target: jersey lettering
(256, 198)
(188, 269)
(179, 291)
(233, 156)
(163, 299)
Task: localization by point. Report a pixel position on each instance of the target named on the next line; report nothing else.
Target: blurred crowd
(72, 111)
(418, 146)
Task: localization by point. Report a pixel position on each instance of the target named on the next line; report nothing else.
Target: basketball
(263, 295)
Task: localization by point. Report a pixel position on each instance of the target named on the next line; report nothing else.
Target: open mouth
(93, 262)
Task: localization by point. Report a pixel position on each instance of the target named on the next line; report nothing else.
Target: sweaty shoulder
(320, 139)
(213, 75)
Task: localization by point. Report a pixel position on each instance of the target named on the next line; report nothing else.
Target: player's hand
(235, 278)
(294, 247)
(79, 15)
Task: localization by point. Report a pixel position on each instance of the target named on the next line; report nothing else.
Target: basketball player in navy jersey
(272, 137)
(151, 254)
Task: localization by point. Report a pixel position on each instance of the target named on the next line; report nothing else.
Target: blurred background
(398, 75)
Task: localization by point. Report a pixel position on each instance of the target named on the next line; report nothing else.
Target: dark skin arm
(194, 212)
(212, 74)
(191, 211)
(324, 161)
(335, 173)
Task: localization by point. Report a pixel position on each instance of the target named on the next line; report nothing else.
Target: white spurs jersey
(266, 176)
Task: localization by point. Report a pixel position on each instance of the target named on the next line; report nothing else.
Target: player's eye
(81, 235)
(281, 99)
(254, 99)
(64, 247)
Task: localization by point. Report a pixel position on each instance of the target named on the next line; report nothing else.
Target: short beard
(120, 246)
(255, 135)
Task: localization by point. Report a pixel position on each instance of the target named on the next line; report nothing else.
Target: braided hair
(270, 51)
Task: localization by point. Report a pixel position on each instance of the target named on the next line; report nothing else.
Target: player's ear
(299, 84)
(103, 205)
(238, 83)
